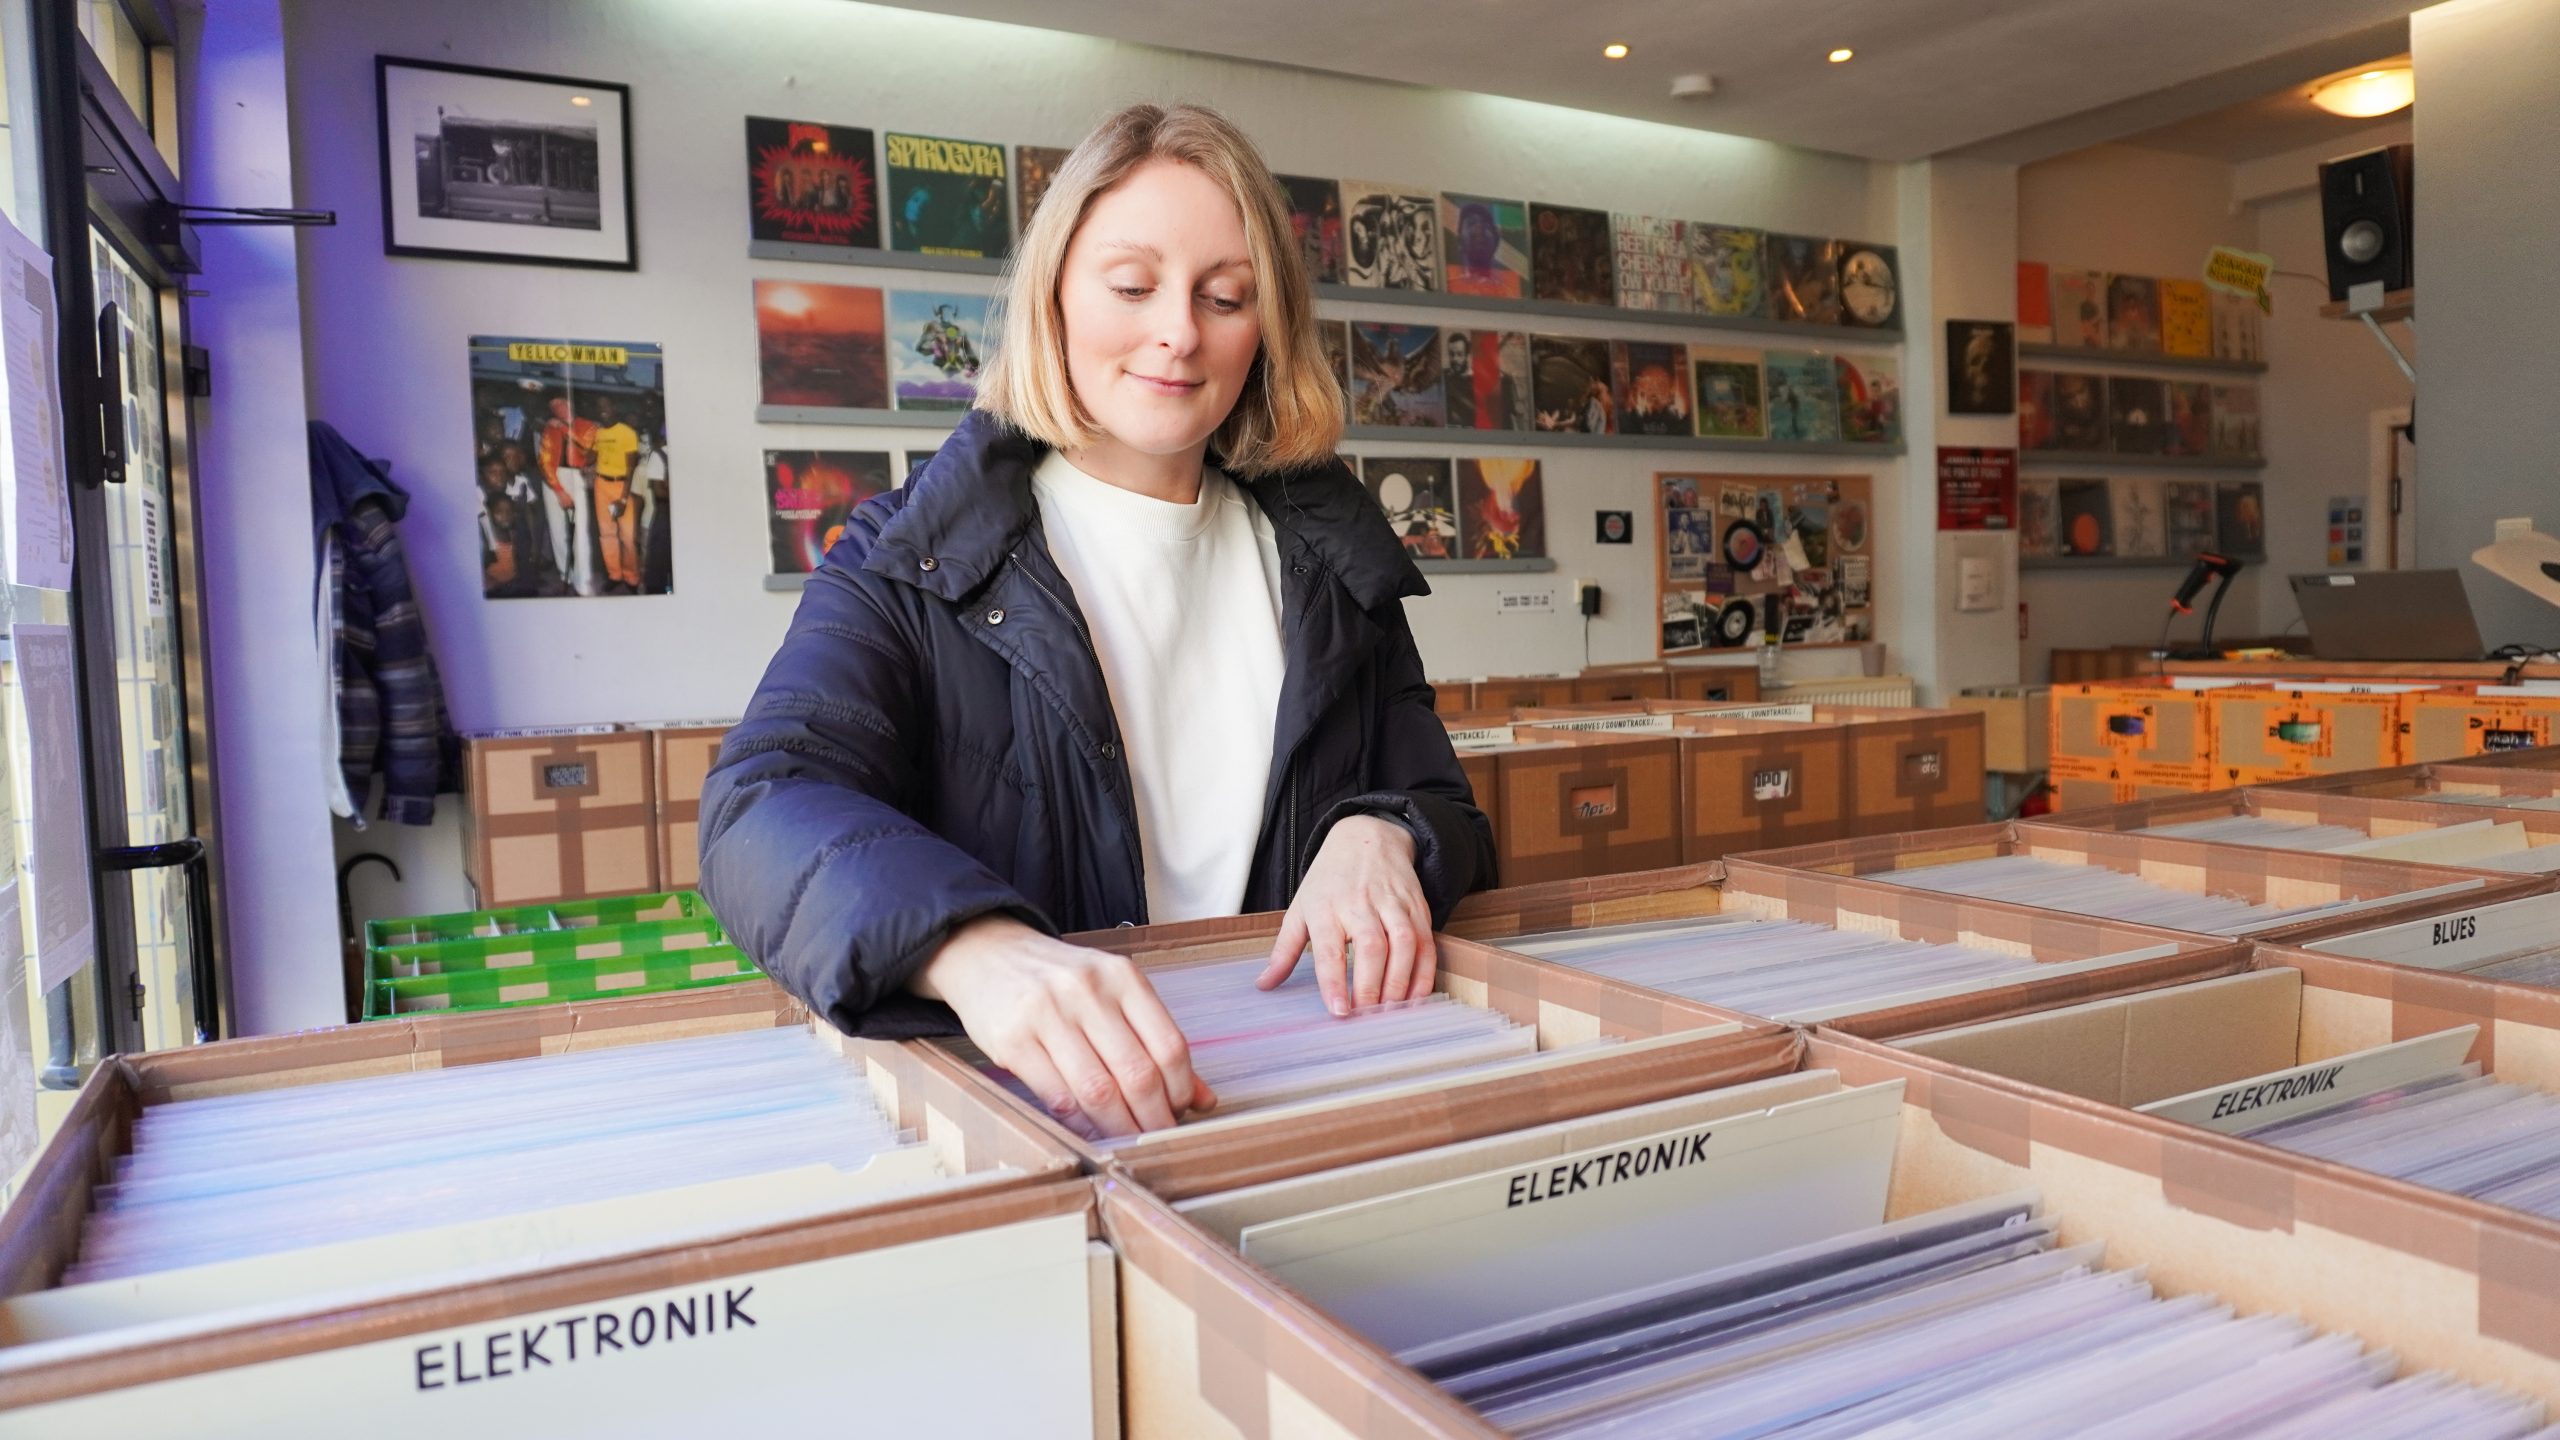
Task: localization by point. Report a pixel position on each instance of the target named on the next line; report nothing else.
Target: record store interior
(1446, 719)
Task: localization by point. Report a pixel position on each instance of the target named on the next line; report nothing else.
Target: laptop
(2388, 615)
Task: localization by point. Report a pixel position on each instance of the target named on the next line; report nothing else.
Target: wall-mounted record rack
(2110, 460)
(2095, 358)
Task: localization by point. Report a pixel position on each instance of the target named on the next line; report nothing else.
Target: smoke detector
(1693, 87)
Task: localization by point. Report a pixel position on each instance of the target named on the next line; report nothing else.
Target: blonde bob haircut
(1290, 413)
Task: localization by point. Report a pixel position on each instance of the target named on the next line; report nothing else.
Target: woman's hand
(1360, 910)
(1081, 1027)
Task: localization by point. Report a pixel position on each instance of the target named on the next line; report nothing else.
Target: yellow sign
(545, 352)
(2239, 272)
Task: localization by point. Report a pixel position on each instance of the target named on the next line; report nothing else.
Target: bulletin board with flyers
(1745, 555)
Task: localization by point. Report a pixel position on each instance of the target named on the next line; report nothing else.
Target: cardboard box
(1452, 697)
(1217, 1347)
(1484, 777)
(2484, 720)
(2308, 730)
(1575, 804)
(682, 756)
(2412, 829)
(2016, 722)
(1512, 692)
(2283, 878)
(1755, 784)
(1910, 769)
(2480, 776)
(2160, 734)
(885, 1296)
(1622, 682)
(560, 815)
(2077, 793)
(1723, 684)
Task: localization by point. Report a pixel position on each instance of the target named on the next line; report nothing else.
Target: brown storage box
(1910, 769)
(2380, 817)
(1453, 697)
(272, 1356)
(1755, 784)
(2481, 776)
(2269, 732)
(1722, 684)
(1484, 777)
(566, 815)
(1622, 682)
(1514, 692)
(2151, 733)
(2268, 877)
(1574, 804)
(2015, 724)
(1218, 1348)
(2488, 721)
(2078, 793)
(684, 755)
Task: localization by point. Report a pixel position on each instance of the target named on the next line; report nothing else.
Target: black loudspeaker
(2365, 220)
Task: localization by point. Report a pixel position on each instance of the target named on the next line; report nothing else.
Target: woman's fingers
(1325, 941)
(1029, 1061)
(1284, 953)
(1366, 947)
(1401, 949)
(1157, 1031)
(1089, 1081)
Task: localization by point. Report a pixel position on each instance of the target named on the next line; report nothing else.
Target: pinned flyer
(2240, 272)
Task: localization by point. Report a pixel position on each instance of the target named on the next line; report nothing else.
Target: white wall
(385, 338)
(2488, 232)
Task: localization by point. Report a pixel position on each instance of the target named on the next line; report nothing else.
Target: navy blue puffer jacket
(934, 742)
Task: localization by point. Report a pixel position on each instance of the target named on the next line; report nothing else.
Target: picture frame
(504, 166)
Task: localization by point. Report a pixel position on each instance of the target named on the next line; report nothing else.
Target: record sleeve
(2137, 415)
(2079, 411)
(1652, 384)
(1315, 216)
(809, 494)
(1335, 336)
(811, 184)
(2186, 318)
(2133, 313)
(1803, 396)
(1415, 494)
(2190, 516)
(820, 345)
(1571, 381)
(2141, 529)
(2039, 517)
(1982, 367)
(1727, 393)
(1488, 379)
(1686, 615)
(1486, 245)
(938, 346)
(1804, 280)
(1652, 263)
(1728, 270)
(2035, 302)
(2190, 430)
(1870, 397)
(1570, 251)
(947, 197)
(2080, 308)
(2085, 518)
(1502, 509)
(2238, 328)
(2240, 517)
(1034, 167)
(2035, 410)
(2235, 422)
(1870, 286)
(1390, 237)
(1395, 375)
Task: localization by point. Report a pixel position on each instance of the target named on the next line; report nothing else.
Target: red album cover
(811, 184)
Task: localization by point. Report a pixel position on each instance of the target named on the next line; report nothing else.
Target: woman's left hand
(1360, 910)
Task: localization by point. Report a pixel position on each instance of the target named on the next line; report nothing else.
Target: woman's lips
(1166, 387)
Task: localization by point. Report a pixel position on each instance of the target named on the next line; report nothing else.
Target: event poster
(938, 345)
(1502, 509)
(1977, 488)
(1415, 494)
(573, 467)
(811, 184)
(809, 494)
(946, 197)
(820, 345)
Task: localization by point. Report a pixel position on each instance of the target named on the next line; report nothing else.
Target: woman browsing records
(1131, 648)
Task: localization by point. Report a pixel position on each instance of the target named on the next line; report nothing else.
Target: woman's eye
(1131, 292)
(1222, 304)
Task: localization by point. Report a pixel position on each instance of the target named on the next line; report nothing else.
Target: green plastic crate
(557, 915)
(543, 947)
(513, 986)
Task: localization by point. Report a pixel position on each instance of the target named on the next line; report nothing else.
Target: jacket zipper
(1128, 803)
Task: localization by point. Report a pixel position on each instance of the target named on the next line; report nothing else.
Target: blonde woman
(1130, 649)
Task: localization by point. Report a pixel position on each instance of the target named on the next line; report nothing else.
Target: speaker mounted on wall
(2365, 220)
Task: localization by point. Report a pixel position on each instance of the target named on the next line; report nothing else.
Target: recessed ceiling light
(2367, 93)
(1614, 52)
(1841, 54)
(580, 100)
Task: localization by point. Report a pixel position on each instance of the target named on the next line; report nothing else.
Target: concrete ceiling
(1930, 75)
(2254, 129)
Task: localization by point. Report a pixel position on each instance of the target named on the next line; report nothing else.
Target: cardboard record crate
(2413, 828)
(553, 982)
(1217, 1346)
(568, 814)
(426, 1333)
(2462, 941)
(682, 756)
(1622, 682)
(1452, 697)
(559, 915)
(2075, 792)
(2309, 730)
(1573, 804)
(2150, 956)
(2482, 720)
(1511, 692)
(2017, 723)
(1910, 769)
(2281, 878)
(2443, 782)
(1757, 784)
(1667, 1042)
(1484, 778)
(2161, 733)
(1722, 684)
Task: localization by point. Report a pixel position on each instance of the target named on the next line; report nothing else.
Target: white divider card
(987, 1332)
(2463, 940)
(2270, 1099)
(2096, 890)
(1610, 724)
(2539, 860)
(38, 493)
(1800, 714)
(1418, 1266)
(2453, 1128)
(58, 868)
(2494, 802)
(1479, 737)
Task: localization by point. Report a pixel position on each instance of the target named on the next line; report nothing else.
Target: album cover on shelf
(1486, 245)
(1502, 509)
(811, 184)
(1416, 495)
(2190, 429)
(2133, 314)
(1652, 263)
(2235, 422)
(2141, 517)
(2080, 308)
(1395, 375)
(2035, 303)
(2137, 416)
(809, 494)
(1728, 393)
(1802, 396)
(1390, 237)
(938, 346)
(1315, 216)
(2036, 430)
(1335, 336)
(2038, 514)
(820, 345)
(1728, 270)
(1488, 379)
(2240, 517)
(1982, 367)
(2191, 521)
(1652, 384)
(2084, 519)
(1571, 384)
(946, 197)
(1804, 279)
(1870, 285)
(1034, 166)
(2239, 328)
(2079, 411)
(2186, 319)
(1870, 397)
(1569, 255)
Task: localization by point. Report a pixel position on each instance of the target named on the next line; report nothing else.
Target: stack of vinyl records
(238, 1176)
(2096, 890)
(2272, 834)
(2494, 802)
(2456, 1130)
(1789, 970)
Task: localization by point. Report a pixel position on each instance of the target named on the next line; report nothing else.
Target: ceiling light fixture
(1614, 52)
(1841, 54)
(2367, 93)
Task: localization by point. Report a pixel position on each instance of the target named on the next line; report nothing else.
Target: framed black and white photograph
(1982, 367)
(499, 165)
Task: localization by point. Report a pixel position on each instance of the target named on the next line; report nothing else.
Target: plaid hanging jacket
(389, 700)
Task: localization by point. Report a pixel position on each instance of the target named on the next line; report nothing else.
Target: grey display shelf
(831, 415)
(2117, 562)
(2135, 359)
(877, 259)
(2107, 459)
(1536, 564)
(785, 582)
(1445, 436)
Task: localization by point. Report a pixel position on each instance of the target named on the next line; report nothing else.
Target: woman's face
(1158, 298)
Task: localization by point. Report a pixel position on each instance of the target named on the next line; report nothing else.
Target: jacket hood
(341, 477)
(968, 507)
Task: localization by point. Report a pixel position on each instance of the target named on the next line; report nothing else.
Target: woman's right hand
(1081, 1027)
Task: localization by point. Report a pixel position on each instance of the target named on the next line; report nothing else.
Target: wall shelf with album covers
(1462, 513)
(2141, 319)
(2080, 418)
(1740, 556)
(2038, 350)
(2090, 522)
